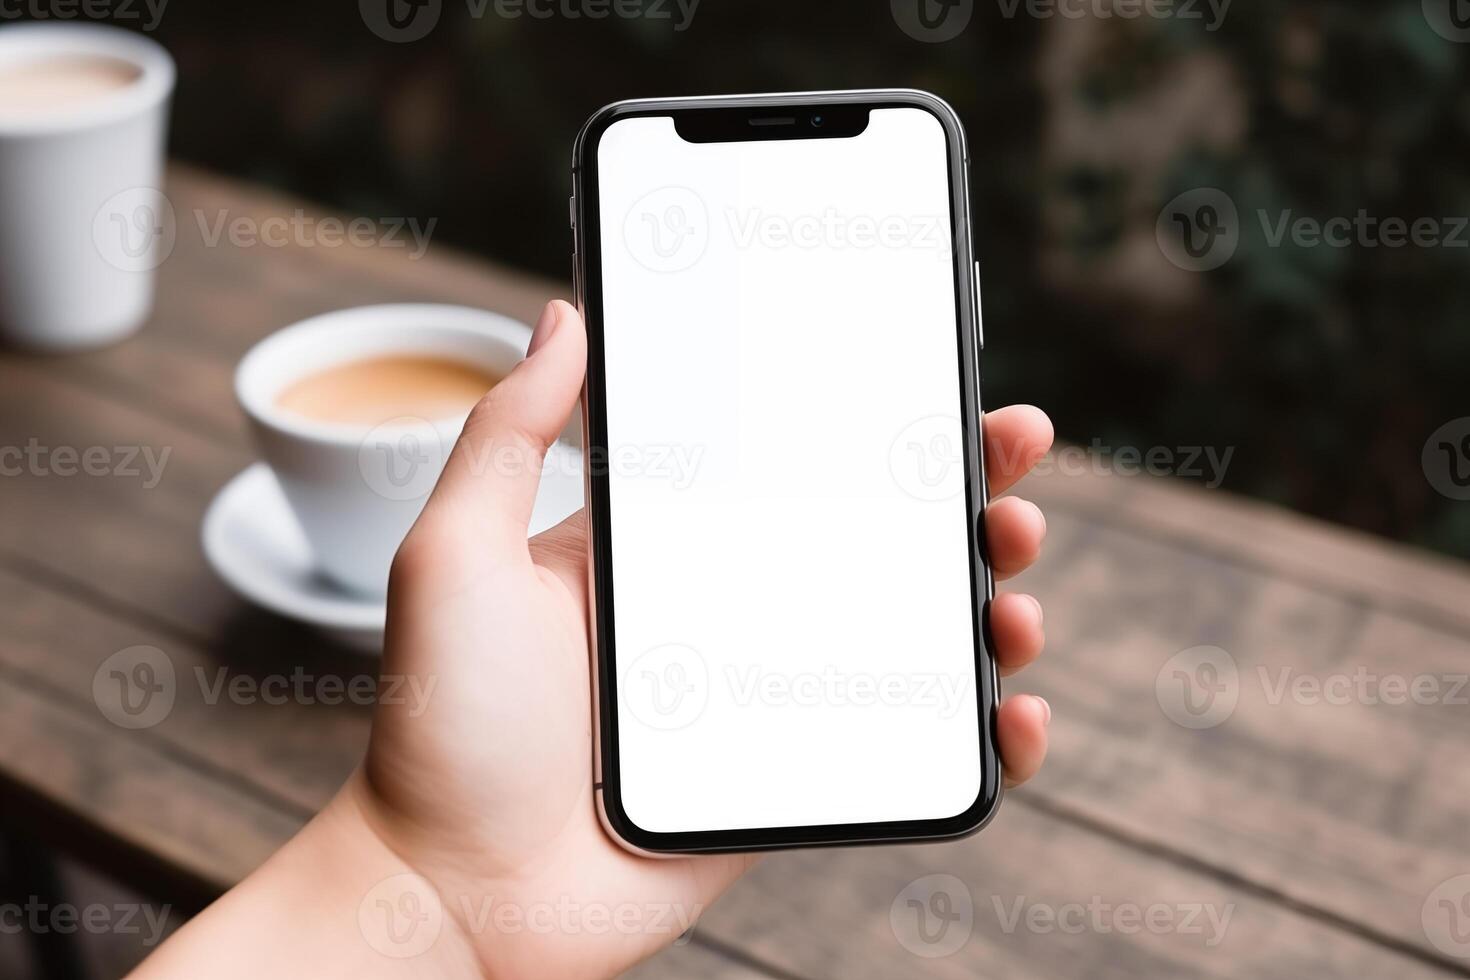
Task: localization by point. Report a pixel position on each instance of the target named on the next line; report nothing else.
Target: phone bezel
(588, 288)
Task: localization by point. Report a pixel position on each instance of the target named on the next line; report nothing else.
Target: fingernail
(1043, 520)
(1040, 615)
(545, 327)
(1046, 709)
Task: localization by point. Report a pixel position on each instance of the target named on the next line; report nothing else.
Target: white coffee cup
(85, 223)
(356, 492)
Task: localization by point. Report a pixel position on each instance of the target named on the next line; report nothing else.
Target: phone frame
(587, 285)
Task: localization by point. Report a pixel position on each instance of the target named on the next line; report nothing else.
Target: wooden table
(1320, 828)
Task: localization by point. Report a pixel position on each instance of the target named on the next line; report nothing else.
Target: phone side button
(979, 317)
(572, 212)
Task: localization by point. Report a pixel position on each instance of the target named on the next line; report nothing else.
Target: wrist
(336, 900)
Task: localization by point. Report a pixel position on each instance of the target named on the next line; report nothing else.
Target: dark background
(1325, 369)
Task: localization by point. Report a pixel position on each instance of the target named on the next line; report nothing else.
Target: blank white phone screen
(792, 596)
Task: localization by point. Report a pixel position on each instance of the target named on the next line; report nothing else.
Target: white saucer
(253, 542)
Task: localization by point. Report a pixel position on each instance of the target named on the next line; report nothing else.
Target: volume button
(979, 318)
(572, 212)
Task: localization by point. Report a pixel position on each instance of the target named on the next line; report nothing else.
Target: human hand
(490, 791)
(480, 800)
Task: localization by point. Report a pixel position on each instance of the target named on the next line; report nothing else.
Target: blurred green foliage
(1325, 368)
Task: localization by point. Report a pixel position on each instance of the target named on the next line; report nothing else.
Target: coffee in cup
(58, 83)
(374, 390)
(356, 412)
(83, 115)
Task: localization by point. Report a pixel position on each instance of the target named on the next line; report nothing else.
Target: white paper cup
(357, 491)
(85, 223)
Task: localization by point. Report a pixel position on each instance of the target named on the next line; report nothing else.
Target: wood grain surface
(1312, 821)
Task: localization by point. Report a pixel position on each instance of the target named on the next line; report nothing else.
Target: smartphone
(784, 474)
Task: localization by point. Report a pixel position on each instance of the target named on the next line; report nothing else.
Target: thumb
(491, 477)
